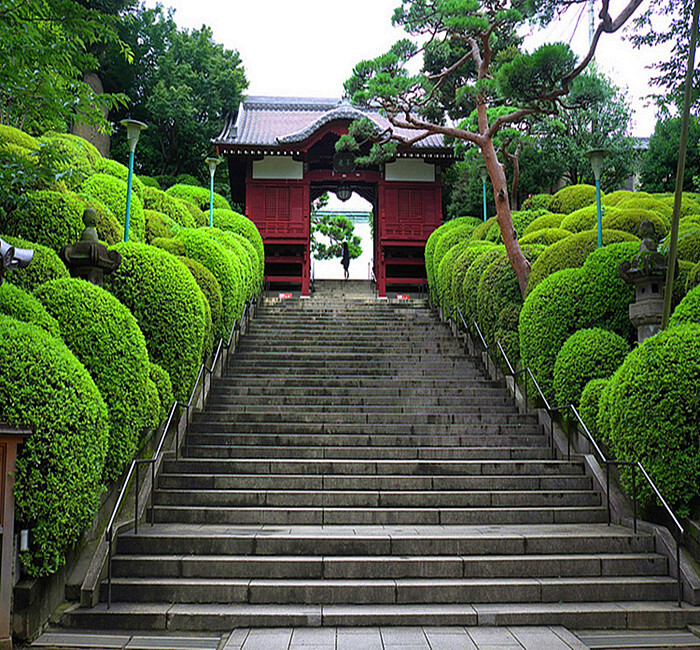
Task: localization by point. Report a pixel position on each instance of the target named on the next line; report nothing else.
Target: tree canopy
(471, 58)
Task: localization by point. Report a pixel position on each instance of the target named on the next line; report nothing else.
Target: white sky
(308, 47)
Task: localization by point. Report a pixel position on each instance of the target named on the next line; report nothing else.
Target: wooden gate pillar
(10, 439)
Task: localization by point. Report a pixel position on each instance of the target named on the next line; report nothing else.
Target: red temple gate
(281, 156)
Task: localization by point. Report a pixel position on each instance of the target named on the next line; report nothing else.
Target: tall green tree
(46, 47)
(602, 120)
(181, 83)
(660, 162)
(470, 37)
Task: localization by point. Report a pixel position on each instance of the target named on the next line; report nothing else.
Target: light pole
(213, 164)
(596, 157)
(484, 175)
(133, 130)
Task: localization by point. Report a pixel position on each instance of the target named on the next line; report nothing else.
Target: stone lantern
(646, 272)
(88, 258)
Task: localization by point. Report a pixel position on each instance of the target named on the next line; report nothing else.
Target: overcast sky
(309, 47)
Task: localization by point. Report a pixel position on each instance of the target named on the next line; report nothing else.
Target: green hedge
(462, 231)
(116, 169)
(688, 311)
(211, 289)
(537, 202)
(545, 236)
(112, 192)
(199, 246)
(571, 198)
(681, 282)
(161, 379)
(232, 221)
(11, 135)
(693, 277)
(110, 229)
(588, 354)
(53, 219)
(470, 285)
(689, 245)
(22, 305)
(158, 225)
(58, 486)
(590, 404)
(155, 199)
(446, 273)
(149, 181)
(483, 228)
(506, 332)
(587, 218)
(81, 157)
(635, 202)
(106, 339)
(461, 265)
(199, 196)
(168, 306)
(433, 240)
(614, 198)
(521, 221)
(550, 220)
(689, 204)
(629, 220)
(663, 434)
(45, 265)
(246, 259)
(571, 252)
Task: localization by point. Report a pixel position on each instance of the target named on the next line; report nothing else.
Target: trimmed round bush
(149, 181)
(22, 305)
(112, 192)
(470, 286)
(506, 332)
(689, 203)
(199, 217)
(688, 311)
(170, 244)
(521, 220)
(257, 271)
(169, 307)
(461, 265)
(11, 135)
(571, 252)
(629, 220)
(80, 156)
(616, 197)
(689, 245)
(680, 282)
(161, 380)
(199, 196)
(590, 404)
(587, 354)
(431, 244)
(229, 220)
(45, 265)
(663, 434)
(548, 220)
(198, 245)
(537, 202)
(245, 259)
(116, 169)
(158, 225)
(155, 199)
(187, 179)
(693, 278)
(460, 232)
(446, 274)
(586, 218)
(483, 229)
(571, 198)
(545, 236)
(634, 202)
(212, 292)
(59, 467)
(106, 339)
(53, 219)
(110, 230)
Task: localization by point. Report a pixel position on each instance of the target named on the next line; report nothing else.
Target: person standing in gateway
(345, 259)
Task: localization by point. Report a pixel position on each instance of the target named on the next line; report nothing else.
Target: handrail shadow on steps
(91, 584)
(551, 410)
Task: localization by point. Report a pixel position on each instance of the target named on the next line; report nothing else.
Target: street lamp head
(213, 164)
(133, 131)
(596, 157)
(343, 192)
(483, 172)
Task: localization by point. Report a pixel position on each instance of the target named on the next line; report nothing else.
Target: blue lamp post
(596, 157)
(133, 130)
(213, 164)
(484, 175)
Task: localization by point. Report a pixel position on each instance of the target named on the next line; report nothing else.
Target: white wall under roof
(409, 169)
(278, 167)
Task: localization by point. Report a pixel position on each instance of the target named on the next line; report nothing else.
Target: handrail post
(678, 568)
(109, 568)
(153, 491)
(607, 489)
(136, 499)
(634, 494)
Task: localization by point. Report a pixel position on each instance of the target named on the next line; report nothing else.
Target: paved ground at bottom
(371, 638)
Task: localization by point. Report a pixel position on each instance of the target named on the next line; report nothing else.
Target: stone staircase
(354, 468)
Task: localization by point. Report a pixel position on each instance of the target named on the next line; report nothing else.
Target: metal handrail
(136, 462)
(601, 456)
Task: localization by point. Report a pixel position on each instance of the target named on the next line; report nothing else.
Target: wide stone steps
(353, 467)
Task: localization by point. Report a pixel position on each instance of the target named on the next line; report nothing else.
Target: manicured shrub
(634, 202)
(110, 229)
(106, 339)
(170, 244)
(587, 218)
(461, 265)
(149, 181)
(548, 220)
(232, 221)
(432, 242)
(257, 270)
(81, 157)
(168, 306)
(545, 236)
(187, 179)
(688, 311)
(11, 135)
(460, 232)
(470, 286)
(161, 379)
(22, 305)
(199, 196)
(521, 221)
(587, 354)
(649, 412)
(155, 199)
(483, 228)
(571, 252)
(212, 292)
(116, 169)
(53, 219)
(158, 225)
(693, 277)
(506, 332)
(680, 282)
(245, 260)
(59, 467)
(537, 202)
(200, 217)
(571, 198)
(112, 192)
(689, 204)
(198, 245)
(590, 403)
(616, 197)
(689, 245)
(446, 273)
(45, 265)
(629, 220)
